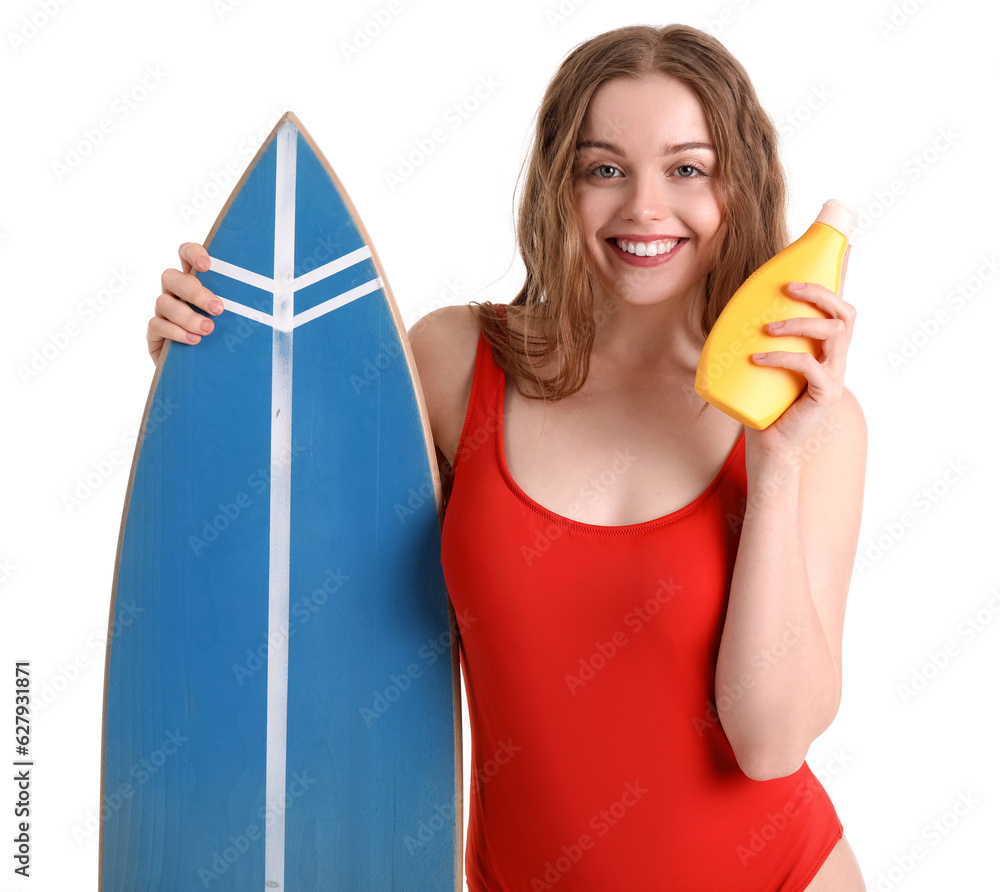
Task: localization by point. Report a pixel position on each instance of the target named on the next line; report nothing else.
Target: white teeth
(646, 249)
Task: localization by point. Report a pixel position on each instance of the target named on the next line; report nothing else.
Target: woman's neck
(665, 335)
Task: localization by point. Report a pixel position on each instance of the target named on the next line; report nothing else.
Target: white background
(900, 93)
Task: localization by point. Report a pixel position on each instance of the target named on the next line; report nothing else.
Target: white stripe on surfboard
(248, 312)
(232, 271)
(334, 266)
(328, 306)
(281, 491)
(265, 283)
(334, 303)
(282, 321)
(241, 275)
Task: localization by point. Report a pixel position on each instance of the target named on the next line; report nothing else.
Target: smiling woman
(649, 660)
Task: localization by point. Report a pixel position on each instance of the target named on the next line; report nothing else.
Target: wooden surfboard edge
(143, 424)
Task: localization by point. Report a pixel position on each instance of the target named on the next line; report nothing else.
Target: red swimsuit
(589, 655)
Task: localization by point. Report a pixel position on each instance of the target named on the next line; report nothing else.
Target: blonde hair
(557, 298)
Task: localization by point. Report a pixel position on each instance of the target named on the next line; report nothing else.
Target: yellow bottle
(727, 377)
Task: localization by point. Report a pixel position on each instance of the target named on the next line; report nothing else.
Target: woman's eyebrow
(669, 149)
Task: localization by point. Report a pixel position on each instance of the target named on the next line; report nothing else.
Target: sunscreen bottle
(727, 377)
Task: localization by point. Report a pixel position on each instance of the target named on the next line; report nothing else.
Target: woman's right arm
(174, 319)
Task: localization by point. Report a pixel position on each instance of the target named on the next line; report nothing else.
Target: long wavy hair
(557, 302)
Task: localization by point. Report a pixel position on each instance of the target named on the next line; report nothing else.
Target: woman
(656, 595)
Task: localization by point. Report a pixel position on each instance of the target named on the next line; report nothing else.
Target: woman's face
(644, 183)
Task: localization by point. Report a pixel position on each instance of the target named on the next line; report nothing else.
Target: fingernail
(215, 307)
(203, 263)
(207, 326)
(193, 338)
(773, 325)
(759, 355)
(795, 286)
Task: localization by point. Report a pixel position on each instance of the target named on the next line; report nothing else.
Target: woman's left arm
(778, 675)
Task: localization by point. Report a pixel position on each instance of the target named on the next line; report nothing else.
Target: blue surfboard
(282, 705)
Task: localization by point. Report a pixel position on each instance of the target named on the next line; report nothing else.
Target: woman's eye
(605, 171)
(692, 171)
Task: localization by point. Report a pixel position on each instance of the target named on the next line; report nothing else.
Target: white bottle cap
(840, 215)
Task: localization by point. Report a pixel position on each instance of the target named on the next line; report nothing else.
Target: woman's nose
(646, 198)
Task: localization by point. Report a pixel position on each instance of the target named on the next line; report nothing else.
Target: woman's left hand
(824, 374)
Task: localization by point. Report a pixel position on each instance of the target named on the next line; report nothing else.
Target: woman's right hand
(174, 318)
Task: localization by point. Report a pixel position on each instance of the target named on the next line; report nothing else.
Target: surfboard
(281, 702)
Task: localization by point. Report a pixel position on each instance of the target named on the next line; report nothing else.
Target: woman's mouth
(651, 252)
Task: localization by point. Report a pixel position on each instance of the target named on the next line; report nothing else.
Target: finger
(181, 316)
(159, 329)
(823, 387)
(832, 335)
(188, 288)
(808, 326)
(825, 300)
(194, 257)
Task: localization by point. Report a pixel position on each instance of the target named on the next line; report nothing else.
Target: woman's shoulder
(442, 342)
(444, 351)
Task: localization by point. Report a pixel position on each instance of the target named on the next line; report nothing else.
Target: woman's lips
(639, 257)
